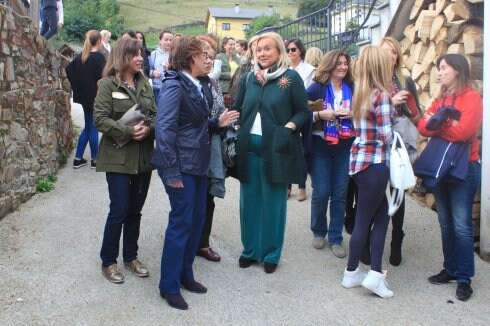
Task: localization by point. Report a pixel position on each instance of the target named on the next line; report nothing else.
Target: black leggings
(372, 208)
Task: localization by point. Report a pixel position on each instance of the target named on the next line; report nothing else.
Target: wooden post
(35, 13)
(485, 186)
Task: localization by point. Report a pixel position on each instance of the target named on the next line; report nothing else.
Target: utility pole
(35, 13)
(485, 186)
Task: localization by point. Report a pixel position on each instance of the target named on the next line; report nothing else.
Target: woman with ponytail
(83, 73)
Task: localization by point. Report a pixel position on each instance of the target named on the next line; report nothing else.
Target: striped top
(373, 134)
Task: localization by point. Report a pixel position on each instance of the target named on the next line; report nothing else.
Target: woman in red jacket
(454, 201)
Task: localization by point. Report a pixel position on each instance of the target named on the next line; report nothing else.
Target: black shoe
(269, 268)
(194, 287)
(78, 163)
(396, 248)
(245, 262)
(442, 278)
(464, 291)
(93, 164)
(175, 300)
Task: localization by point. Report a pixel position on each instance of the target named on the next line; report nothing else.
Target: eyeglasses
(291, 50)
(206, 55)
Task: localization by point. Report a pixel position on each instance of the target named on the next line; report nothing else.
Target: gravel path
(50, 270)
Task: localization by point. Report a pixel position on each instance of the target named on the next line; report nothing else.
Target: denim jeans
(88, 135)
(185, 222)
(329, 179)
(454, 202)
(127, 194)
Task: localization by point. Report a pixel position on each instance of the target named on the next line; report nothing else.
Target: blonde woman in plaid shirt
(369, 166)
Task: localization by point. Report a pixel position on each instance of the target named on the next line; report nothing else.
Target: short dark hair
(243, 44)
(130, 32)
(164, 32)
(183, 49)
(299, 45)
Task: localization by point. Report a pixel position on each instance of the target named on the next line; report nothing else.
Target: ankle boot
(353, 279)
(396, 248)
(376, 283)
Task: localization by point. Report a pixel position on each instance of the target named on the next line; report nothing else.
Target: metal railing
(340, 25)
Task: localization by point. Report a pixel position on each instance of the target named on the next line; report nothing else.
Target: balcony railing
(340, 25)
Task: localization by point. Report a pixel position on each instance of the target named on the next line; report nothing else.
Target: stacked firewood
(439, 27)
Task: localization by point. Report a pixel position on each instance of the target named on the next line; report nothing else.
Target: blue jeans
(329, 179)
(88, 135)
(454, 202)
(185, 222)
(127, 194)
(50, 22)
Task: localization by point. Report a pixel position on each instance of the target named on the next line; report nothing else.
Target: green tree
(84, 15)
(263, 21)
(306, 7)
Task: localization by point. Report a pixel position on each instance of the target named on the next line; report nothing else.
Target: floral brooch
(284, 82)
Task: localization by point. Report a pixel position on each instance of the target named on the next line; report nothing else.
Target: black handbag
(228, 146)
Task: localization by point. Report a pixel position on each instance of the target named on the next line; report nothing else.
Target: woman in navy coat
(182, 159)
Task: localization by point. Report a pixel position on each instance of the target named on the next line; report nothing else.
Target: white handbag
(401, 174)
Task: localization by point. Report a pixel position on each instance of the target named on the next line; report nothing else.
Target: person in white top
(105, 49)
(296, 52)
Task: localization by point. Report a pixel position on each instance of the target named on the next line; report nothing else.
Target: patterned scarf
(338, 128)
(263, 75)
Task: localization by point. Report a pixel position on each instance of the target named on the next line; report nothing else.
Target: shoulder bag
(401, 174)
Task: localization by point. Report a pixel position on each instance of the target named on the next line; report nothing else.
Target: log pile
(439, 27)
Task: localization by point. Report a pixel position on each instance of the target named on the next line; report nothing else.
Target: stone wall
(36, 134)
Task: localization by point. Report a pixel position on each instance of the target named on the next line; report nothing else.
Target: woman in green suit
(273, 107)
(227, 63)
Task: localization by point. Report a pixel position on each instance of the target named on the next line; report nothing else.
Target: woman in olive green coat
(273, 107)
(125, 152)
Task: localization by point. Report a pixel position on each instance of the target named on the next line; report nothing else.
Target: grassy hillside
(158, 14)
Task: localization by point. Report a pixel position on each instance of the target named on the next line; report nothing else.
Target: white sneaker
(376, 282)
(353, 279)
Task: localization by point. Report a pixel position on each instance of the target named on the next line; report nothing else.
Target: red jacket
(469, 102)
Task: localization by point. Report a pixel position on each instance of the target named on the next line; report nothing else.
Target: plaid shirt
(373, 134)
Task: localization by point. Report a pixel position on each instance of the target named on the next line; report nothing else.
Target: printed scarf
(338, 128)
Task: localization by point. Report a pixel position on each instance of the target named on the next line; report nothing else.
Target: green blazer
(279, 101)
(225, 76)
(112, 101)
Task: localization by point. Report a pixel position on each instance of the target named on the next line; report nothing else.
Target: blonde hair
(91, 39)
(283, 62)
(250, 53)
(399, 58)
(372, 72)
(104, 32)
(313, 56)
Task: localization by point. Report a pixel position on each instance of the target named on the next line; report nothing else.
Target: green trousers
(262, 210)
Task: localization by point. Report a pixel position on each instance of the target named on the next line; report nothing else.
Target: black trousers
(208, 222)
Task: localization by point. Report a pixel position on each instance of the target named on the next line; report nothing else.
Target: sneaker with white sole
(78, 163)
(353, 279)
(338, 250)
(318, 242)
(376, 283)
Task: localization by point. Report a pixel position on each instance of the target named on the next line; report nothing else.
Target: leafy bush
(263, 21)
(84, 15)
(45, 184)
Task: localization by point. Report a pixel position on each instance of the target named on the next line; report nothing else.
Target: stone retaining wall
(36, 134)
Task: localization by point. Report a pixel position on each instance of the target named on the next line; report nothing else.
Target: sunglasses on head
(291, 50)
